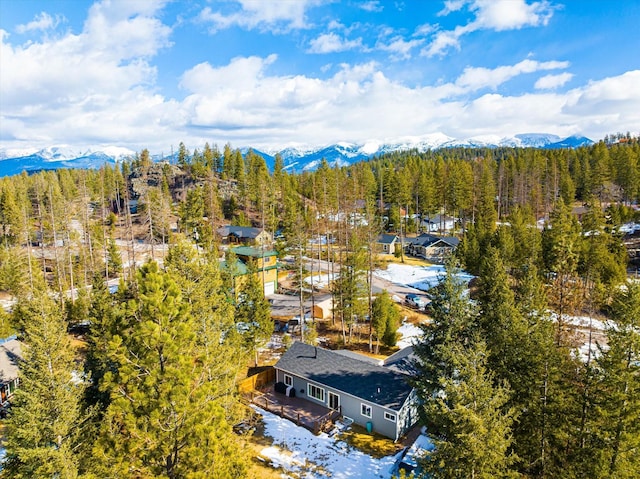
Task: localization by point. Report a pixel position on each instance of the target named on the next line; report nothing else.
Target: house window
(365, 410)
(315, 392)
(390, 417)
(288, 380)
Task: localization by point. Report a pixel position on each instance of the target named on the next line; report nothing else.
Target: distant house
(439, 224)
(374, 394)
(388, 243)
(10, 356)
(246, 235)
(432, 248)
(579, 211)
(266, 266)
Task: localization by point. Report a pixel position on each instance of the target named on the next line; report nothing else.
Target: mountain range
(14, 161)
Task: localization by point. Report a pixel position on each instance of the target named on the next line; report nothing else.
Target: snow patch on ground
(419, 277)
(308, 456)
(581, 322)
(629, 228)
(321, 281)
(410, 334)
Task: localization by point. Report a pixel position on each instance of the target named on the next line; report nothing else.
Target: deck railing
(322, 424)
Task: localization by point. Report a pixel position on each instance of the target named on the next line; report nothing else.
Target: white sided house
(374, 394)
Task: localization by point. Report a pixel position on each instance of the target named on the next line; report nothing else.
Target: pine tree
(475, 429)
(199, 278)
(253, 313)
(44, 429)
(453, 321)
(618, 428)
(385, 318)
(162, 421)
(106, 321)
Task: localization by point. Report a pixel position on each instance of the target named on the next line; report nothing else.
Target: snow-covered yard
(300, 452)
(418, 277)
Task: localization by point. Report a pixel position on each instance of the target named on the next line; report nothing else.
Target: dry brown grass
(372, 444)
(79, 347)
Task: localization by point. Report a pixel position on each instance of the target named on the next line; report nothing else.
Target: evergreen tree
(453, 321)
(106, 322)
(163, 419)
(253, 313)
(45, 425)
(199, 278)
(618, 428)
(475, 429)
(385, 318)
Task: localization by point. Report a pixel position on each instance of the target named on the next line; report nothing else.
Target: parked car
(414, 301)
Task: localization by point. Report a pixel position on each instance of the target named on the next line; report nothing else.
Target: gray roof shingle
(365, 380)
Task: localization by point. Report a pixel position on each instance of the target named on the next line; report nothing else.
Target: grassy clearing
(372, 444)
(409, 260)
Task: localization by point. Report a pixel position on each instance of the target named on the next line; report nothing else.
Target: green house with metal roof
(266, 266)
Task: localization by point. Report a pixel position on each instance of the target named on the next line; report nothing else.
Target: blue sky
(274, 74)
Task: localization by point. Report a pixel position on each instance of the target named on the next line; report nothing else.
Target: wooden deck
(302, 412)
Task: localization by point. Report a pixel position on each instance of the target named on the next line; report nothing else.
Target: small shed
(387, 243)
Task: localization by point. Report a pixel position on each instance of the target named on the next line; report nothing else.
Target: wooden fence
(257, 381)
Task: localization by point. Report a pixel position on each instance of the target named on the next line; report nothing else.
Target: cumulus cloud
(332, 42)
(478, 77)
(497, 15)
(43, 21)
(249, 14)
(399, 47)
(360, 102)
(89, 83)
(98, 86)
(550, 82)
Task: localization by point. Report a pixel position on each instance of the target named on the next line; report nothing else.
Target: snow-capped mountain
(14, 161)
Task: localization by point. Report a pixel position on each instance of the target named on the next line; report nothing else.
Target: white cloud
(43, 21)
(474, 78)
(424, 29)
(442, 41)
(502, 15)
(497, 15)
(98, 86)
(249, 14)
(359, 102)
(91, 84)
(371, 6)
(452, 6)
(332, 42)
(550, 82)
(618, 97)
(243, 73)
(398, 47)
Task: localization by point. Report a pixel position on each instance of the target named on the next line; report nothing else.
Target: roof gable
(362, 379)
(427, 240)
(387, 239)
(247, 232)
(253, 252)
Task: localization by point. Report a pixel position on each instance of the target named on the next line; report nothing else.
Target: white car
(414, 301)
